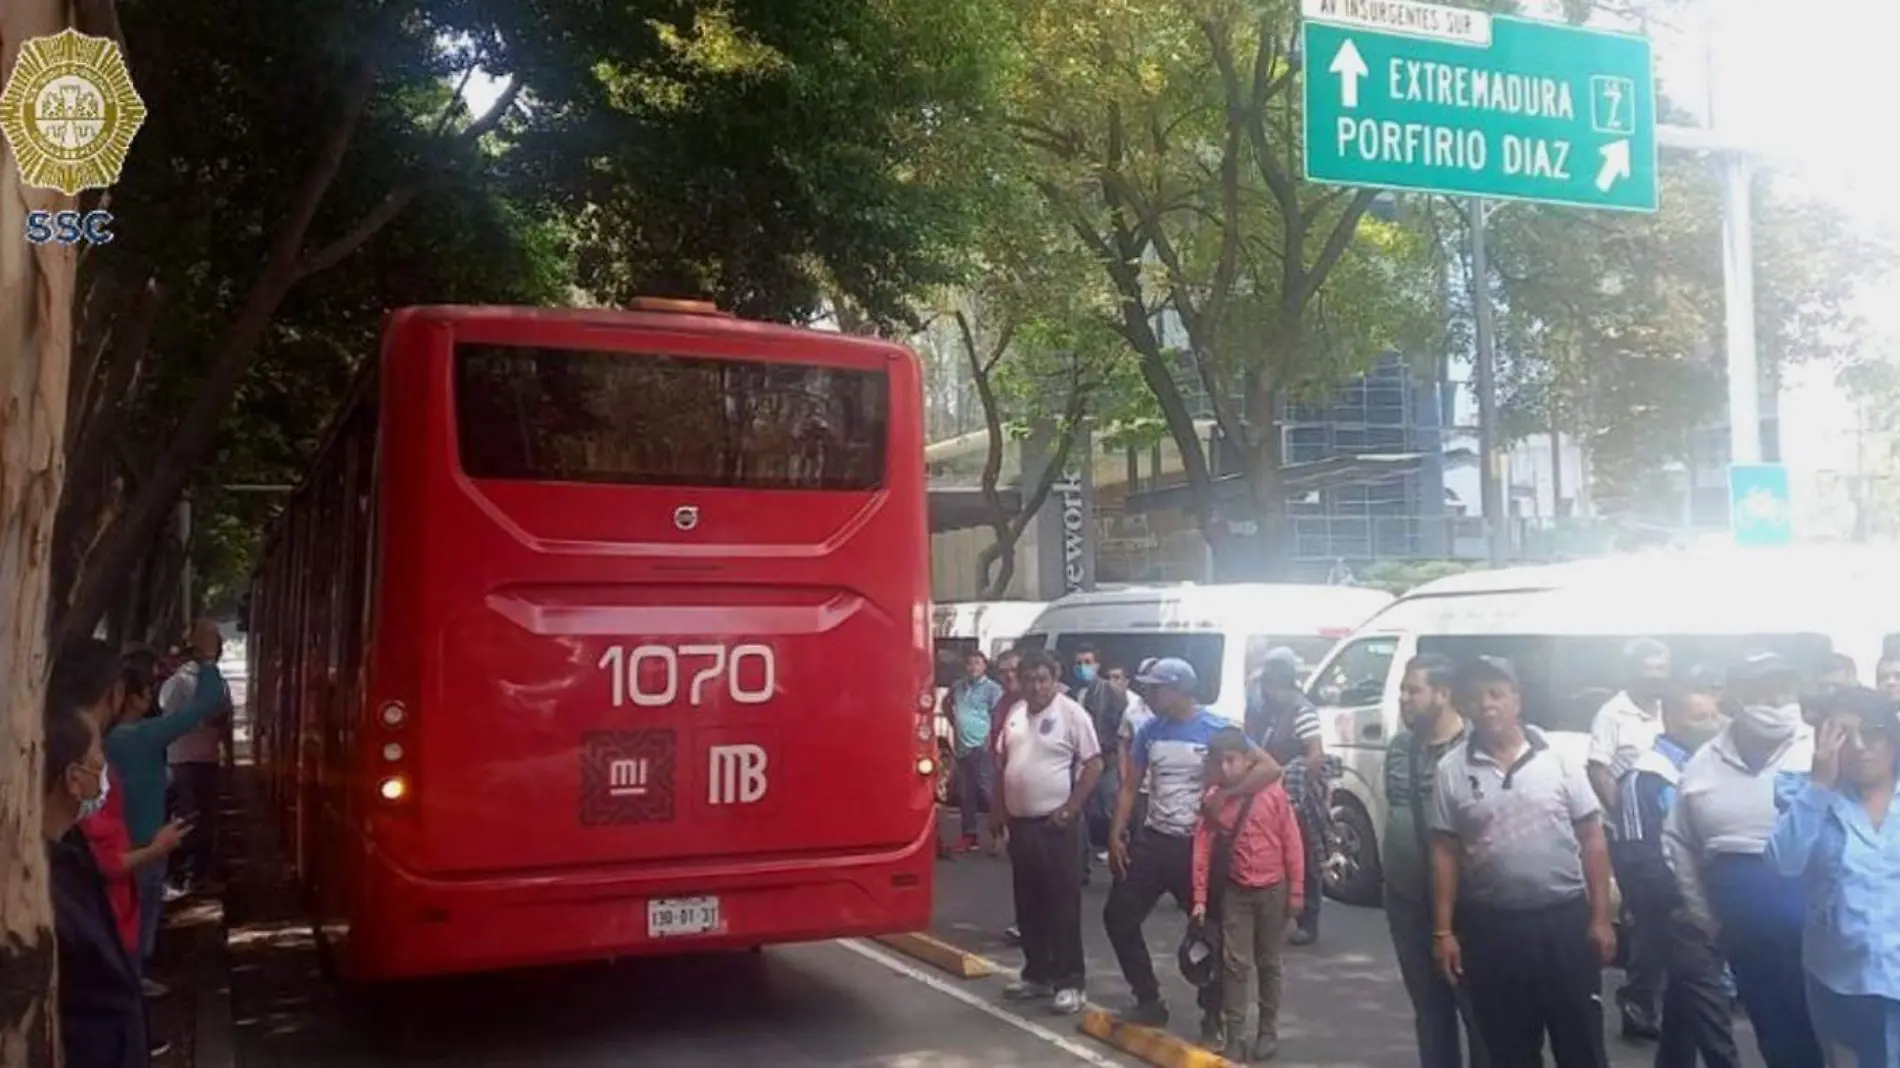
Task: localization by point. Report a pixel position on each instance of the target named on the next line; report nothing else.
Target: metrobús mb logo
(69, 113)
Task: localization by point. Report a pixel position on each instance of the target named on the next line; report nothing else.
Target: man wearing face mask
(1695, 1008)
(101, 1008)
(1106, 705)
(1716, 841)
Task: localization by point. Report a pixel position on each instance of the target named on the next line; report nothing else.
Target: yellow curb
(1155, 1047)
(939, 954)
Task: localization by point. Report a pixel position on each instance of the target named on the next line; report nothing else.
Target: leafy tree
(36, 287)
(737, 150)
(1169, 139)
(1611, 327)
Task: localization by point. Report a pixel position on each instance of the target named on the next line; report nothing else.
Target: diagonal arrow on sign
(1350, 66)
(1616, 164)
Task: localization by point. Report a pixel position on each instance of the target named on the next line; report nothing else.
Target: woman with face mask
(101, 1008)
(1717, 843)
(1837, 837)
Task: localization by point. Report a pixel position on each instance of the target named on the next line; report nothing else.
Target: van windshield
(1204, 651)
(1565, 679)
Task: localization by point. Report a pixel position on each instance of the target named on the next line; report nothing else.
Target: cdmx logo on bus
(69, 113)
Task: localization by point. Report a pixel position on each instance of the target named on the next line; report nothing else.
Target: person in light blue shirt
(1836, 834)
(973, 700)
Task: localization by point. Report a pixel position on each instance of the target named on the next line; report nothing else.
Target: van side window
(1357, 675)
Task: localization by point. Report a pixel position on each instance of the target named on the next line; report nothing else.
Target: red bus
(603, 633)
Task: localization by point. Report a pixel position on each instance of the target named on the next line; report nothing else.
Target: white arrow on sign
(1350, 66)
(1616, 164)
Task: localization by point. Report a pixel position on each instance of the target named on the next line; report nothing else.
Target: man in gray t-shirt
(1520, 880)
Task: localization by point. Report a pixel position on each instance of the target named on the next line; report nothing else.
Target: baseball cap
(1759, 667)
(1482, 669)
(1170, 671)
(1281, 662)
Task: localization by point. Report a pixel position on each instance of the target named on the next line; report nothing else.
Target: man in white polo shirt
(1625, 728)
(1051, 761)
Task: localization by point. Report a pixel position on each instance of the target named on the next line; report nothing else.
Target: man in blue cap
(1169, 753)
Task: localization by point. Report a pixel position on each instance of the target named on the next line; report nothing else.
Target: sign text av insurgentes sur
(1406, 95)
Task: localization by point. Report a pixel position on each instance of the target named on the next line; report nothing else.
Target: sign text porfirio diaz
(1419, 96)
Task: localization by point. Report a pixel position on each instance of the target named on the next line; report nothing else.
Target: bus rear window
(561, 415)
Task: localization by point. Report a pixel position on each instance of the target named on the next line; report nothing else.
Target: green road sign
(1445, 100)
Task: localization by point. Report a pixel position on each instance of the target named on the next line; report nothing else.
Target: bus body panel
(603, 703)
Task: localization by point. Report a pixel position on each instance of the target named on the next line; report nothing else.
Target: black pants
(1532, 973)
(196, 787)
(1157, 864)
(1441, 1014)
(1313, 832)
(1649, 944)
(1695, 1010)
(1048, 901)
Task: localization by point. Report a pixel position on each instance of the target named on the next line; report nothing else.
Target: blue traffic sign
(1760, 508)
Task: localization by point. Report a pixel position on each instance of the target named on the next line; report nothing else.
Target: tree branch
(400, 197)
(1336, 242)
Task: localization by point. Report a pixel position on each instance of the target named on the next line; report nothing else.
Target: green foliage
(752, 152)
(1612, 326)
(1399, 577)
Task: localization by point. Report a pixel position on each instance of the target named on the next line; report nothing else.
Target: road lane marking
(979, 1003)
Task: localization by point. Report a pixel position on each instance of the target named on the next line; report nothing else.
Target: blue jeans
(1866, 1026)
(150, 880)
(976, 786)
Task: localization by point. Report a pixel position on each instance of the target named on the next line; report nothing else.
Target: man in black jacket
(101, 1007)
(1695, 1014)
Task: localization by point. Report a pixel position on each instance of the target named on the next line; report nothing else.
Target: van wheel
(946, 773)
(1352, 862)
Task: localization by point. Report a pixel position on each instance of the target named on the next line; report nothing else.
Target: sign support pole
(1738, 285)
(1491, 489)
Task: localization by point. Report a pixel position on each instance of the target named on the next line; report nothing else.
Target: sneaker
(1101, 856)
(160, 1047)
(968, 844)
(1213, 1035)
(1638, 1024)
(1068, 1002)
(1148, 1013)
(1265, 1048)
(176, 892)
(1302, 937)
(153, 988)
(1028, 991)
(1013, 934)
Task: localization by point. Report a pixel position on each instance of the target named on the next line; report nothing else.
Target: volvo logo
(686, 516)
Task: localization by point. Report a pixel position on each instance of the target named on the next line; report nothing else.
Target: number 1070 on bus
(654, 676)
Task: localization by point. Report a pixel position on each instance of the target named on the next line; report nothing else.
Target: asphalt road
(1343, 1005)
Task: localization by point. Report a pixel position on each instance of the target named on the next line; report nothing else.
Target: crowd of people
(1125, 767)
(131, 756)
(1741, 822)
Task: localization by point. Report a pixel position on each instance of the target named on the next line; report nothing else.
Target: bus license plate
(674, 916)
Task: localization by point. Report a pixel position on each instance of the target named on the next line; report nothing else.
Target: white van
(957, 629)
(1563, 627)
(1223, 630)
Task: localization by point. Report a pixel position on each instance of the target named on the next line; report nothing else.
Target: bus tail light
(393, 780)
(926, 732)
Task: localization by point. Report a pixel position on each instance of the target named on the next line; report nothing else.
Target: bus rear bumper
(408, 926)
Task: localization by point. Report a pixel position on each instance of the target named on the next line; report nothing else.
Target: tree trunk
(36, 305)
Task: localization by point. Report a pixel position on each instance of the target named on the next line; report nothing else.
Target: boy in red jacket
(1253, 857)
